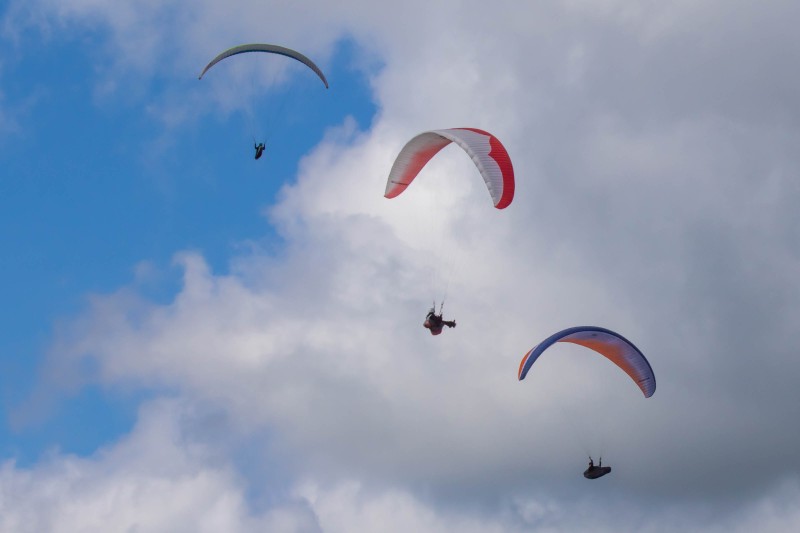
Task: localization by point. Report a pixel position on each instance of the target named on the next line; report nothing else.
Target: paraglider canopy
(613, 346)
(486, 151)
(270, 49)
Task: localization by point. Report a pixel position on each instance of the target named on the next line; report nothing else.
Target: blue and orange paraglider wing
(613, 346)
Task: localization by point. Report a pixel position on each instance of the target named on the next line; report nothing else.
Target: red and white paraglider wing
(414, 155)
(491, 158)
(486, 151)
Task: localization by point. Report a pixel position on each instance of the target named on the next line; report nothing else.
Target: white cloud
(153, 480)
(164, 476)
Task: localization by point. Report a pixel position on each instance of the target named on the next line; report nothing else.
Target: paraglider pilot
(594, 472)
(259, 149)
(435, 323)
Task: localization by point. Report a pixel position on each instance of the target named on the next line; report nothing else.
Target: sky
(197, 341)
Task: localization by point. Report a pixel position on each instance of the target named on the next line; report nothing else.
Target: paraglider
(435, 323)
(594, 472)
(270, 49)
(486, 151)
(259, 149)
(613, 346)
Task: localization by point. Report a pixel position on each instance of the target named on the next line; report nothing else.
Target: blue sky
(86, 202)
(197, 341)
